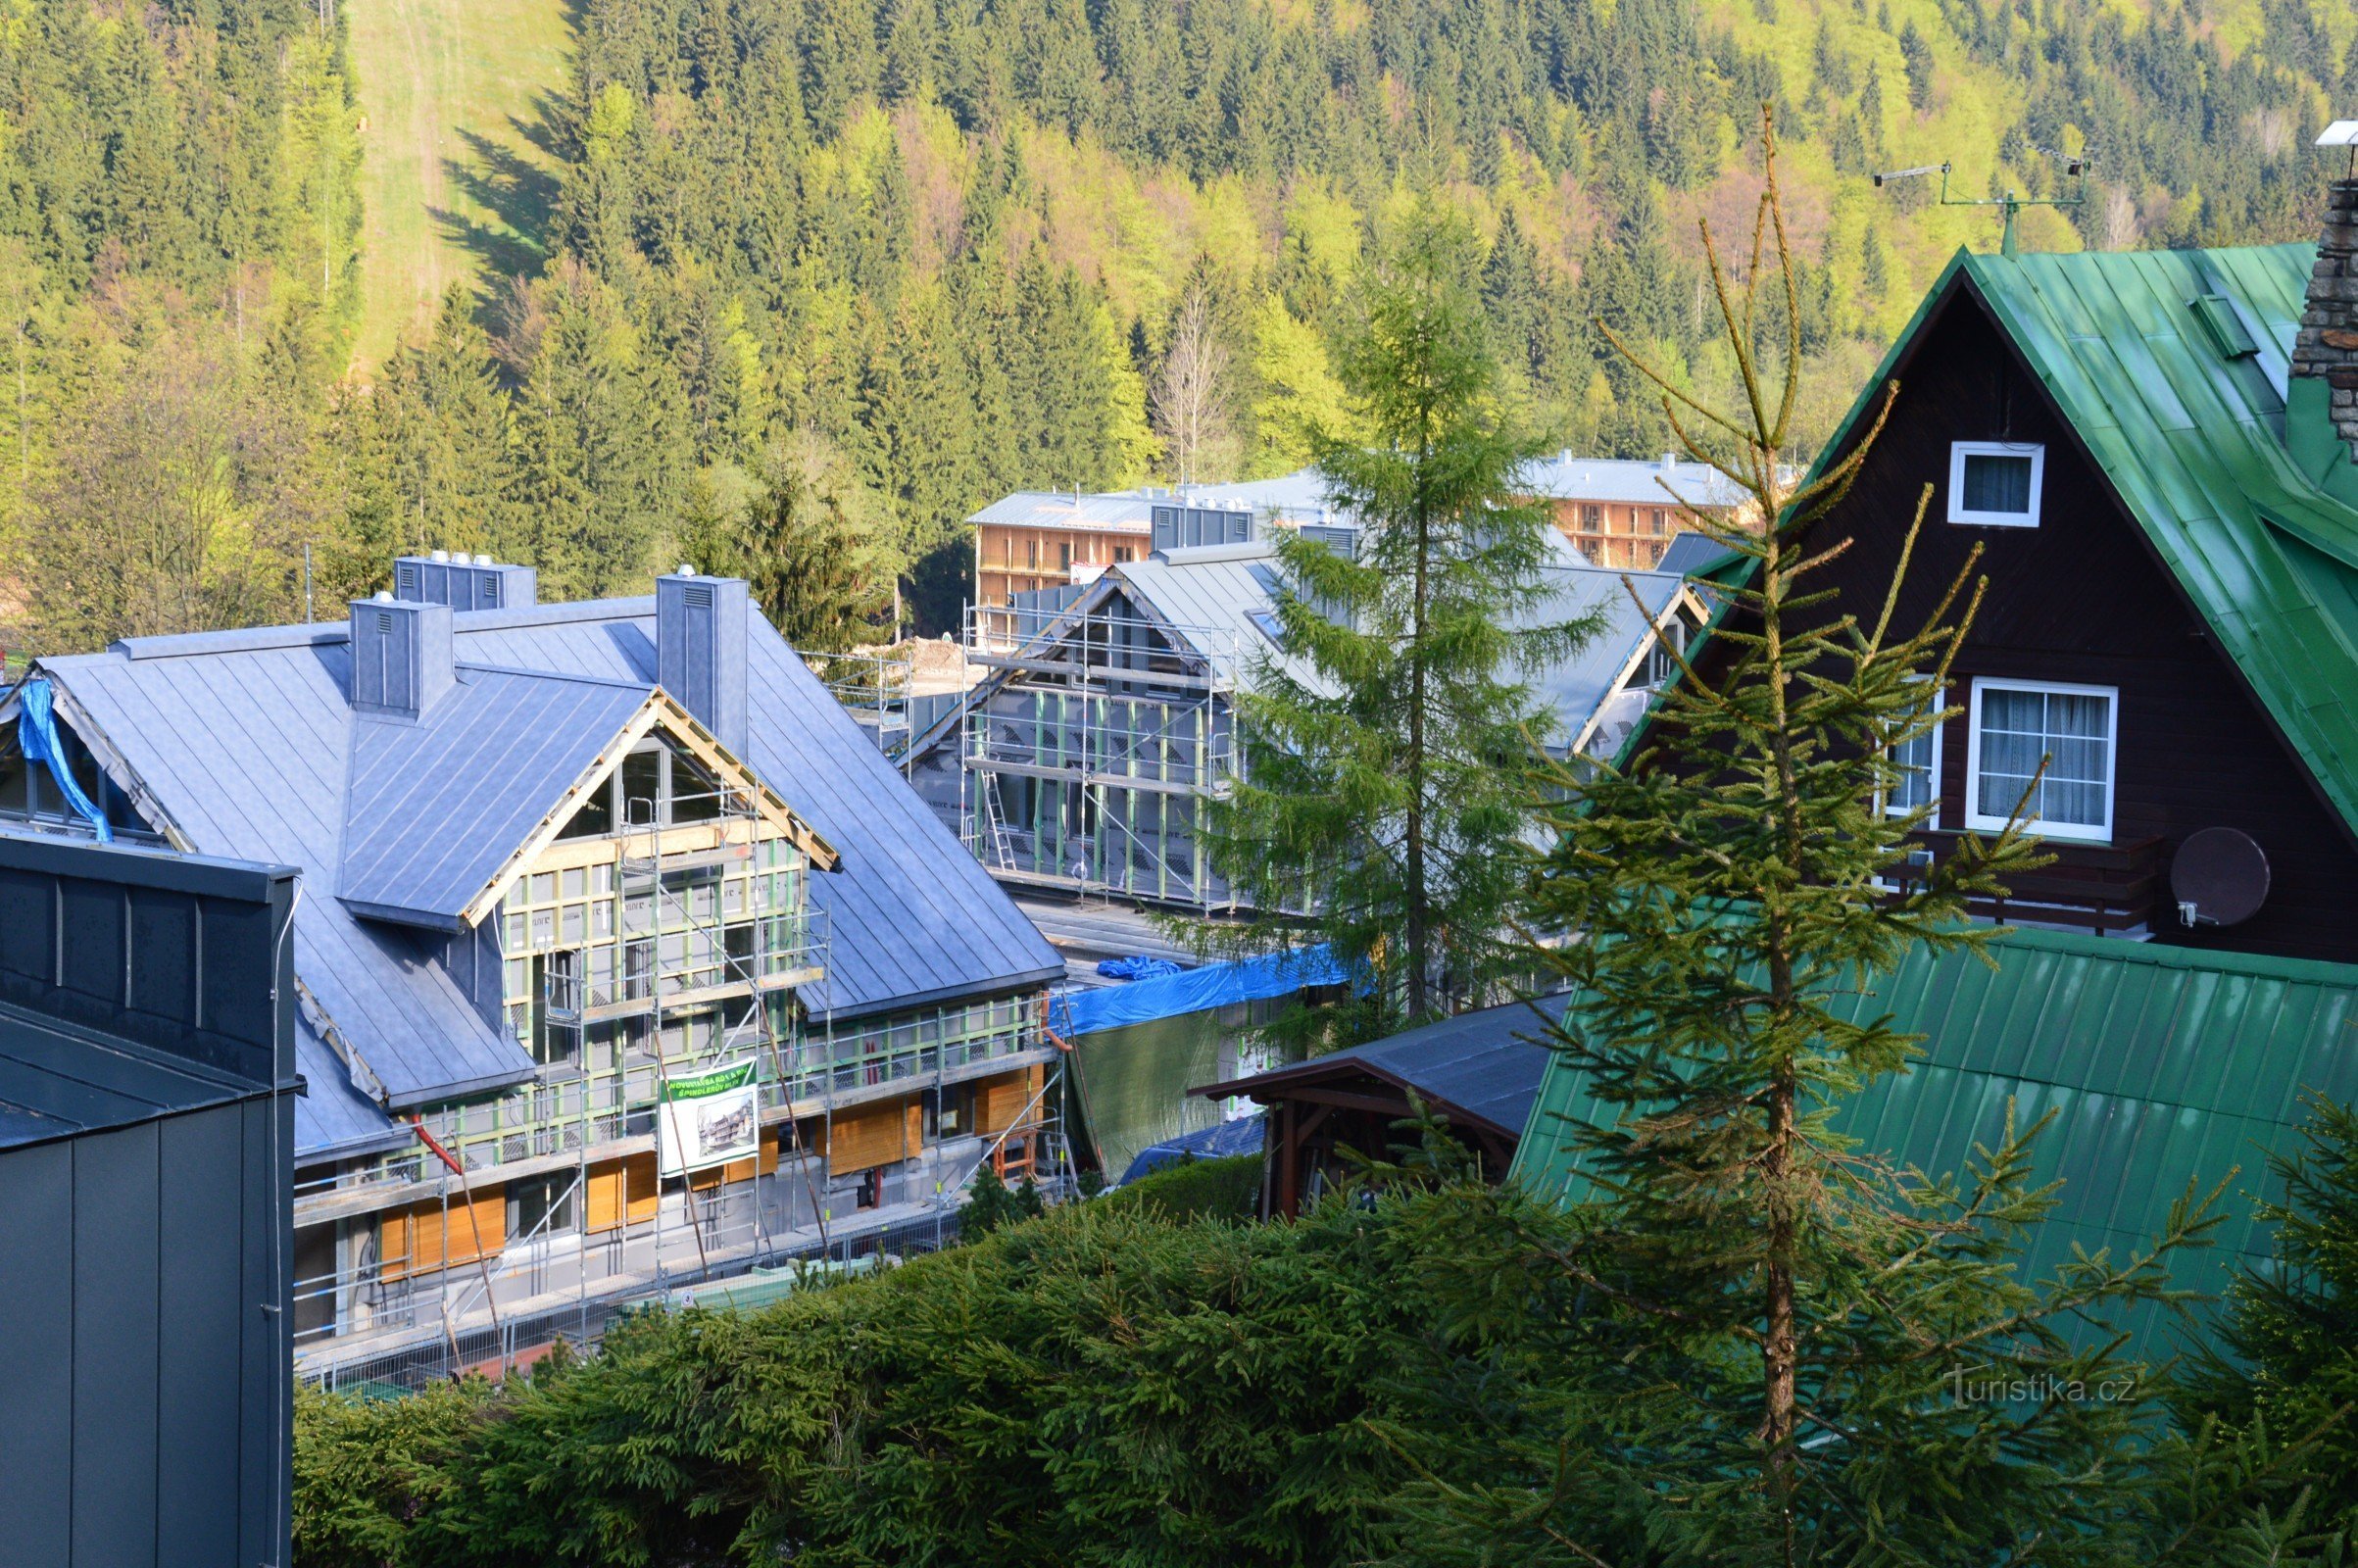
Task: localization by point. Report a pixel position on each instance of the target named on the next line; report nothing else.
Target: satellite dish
(2218, 877)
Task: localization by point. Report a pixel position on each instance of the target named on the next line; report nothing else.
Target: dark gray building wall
(145, 1216)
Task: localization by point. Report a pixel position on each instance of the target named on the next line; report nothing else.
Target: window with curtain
(1995, 483)
(1919, 760)
(2018, 724)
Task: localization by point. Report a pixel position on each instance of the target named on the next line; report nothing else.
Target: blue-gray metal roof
(1297, 497)
(1230, 593)
(1575, 688)
(1688, 553)
(438, 803)
(912, 917)
(1487, 1064)
(333, 1119)
(246, 750)
(245, 741)
(1568, 476)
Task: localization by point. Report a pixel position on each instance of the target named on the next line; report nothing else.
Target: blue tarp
(1242, 1136)
(38, 738)
(1215, 985)
(1137, 968)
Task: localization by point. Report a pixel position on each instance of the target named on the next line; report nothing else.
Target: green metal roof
(2228, 466)
(2163, 1065)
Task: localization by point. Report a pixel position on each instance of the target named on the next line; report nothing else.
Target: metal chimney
(464, 582)
(700, 649)
(402, 661)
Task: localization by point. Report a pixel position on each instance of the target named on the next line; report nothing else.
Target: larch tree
(1777, 1315)
(1193, 394)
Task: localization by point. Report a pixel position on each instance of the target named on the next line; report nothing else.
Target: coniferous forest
(918, 252)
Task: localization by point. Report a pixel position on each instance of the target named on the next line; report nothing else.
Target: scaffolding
(1085, 766)
(692, 965)
(876, 691)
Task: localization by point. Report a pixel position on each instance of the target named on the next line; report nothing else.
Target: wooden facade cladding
(2083, 598)
(881, 1134)
(423, 1238)
(622, 1191)
(1016, 557)
(1000, 1103)
(1612, 533)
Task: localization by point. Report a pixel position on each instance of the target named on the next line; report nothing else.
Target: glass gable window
(2016, 725)
(1995, 483)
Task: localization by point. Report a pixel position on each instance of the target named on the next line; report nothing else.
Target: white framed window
(1919, 763)
(2018, 723)
(1995, 483)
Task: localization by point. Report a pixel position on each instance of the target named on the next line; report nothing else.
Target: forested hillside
(953, 248)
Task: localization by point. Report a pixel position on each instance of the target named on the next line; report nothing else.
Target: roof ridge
(635, 607)
(262, 639)
(526, 672)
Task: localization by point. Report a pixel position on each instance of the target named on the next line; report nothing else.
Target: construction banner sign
(708, 1120)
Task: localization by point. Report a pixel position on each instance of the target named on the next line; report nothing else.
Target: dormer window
(1995, 484)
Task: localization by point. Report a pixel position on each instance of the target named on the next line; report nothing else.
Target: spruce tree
(812, 544)
(2283, 1371)
(1777, 1317)
(1372, 790)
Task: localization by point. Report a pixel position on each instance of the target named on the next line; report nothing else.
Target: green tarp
(1133, 1082)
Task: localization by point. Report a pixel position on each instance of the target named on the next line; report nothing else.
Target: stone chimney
(2326, 349)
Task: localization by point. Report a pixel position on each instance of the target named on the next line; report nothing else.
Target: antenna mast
(2009, 203)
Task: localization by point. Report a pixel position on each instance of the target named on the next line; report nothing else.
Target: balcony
(2107, 889)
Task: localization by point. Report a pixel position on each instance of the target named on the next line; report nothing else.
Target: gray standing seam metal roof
(58, 1079)
(438, 803)
(1223, 589)
(246, 739)
(1579, 686)
(248, 752)
(1301, 495)
(1690, 552)
(1568, 476)
(1487, 1064)
(1223, 595)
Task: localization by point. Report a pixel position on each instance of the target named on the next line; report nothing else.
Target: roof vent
(2229, 338)
(464, 582)
(700, 650)
(401, 655)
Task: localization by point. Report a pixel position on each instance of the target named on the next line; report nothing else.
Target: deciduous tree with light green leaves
(1373, 736)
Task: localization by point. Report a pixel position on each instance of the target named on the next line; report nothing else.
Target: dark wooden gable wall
(2081, 598)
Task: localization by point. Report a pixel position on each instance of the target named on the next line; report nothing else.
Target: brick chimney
(2326, 349)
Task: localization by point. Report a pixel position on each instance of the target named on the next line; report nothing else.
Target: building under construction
(1080, 761)
(625, 962)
